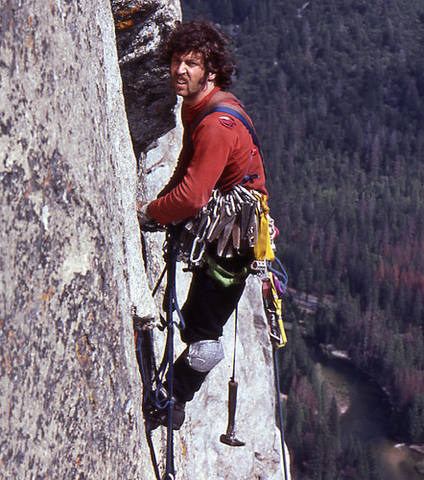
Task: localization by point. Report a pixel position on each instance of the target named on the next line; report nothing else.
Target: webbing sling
(235, 112)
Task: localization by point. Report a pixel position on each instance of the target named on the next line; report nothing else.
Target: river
(366, 416)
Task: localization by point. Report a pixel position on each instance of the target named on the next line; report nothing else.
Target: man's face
(189, 77)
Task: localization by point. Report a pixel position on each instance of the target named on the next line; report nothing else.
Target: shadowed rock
(141, 27)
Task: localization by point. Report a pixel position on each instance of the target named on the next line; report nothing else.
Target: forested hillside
(336, 90)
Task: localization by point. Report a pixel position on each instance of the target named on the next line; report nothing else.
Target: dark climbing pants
(208, 306)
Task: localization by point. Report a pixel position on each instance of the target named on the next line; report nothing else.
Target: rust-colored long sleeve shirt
(220, 154)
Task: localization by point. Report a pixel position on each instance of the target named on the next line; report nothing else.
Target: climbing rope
(278, 280)
(171, 261)
(152, 377)
(280, 409)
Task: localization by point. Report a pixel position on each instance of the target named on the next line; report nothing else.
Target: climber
(218, 152)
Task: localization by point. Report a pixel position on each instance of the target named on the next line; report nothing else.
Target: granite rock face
(71, 271)
(72, 275)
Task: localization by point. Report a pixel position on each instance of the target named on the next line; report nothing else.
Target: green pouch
(224, 276)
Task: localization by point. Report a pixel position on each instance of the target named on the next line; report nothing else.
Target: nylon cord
(235, 345)
(280, 411)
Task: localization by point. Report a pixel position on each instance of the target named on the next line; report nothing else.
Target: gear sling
(241, 214)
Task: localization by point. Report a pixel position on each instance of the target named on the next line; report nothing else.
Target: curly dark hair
(201, 36)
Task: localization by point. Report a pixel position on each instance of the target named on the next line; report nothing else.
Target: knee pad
(204, 355)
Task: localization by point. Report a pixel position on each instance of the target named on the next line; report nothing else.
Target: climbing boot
(159, 416)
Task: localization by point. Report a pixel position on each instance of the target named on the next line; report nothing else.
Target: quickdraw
(272, 292)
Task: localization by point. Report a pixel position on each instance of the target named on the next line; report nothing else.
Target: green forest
(336, 91)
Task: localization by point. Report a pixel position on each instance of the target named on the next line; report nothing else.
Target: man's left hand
(146, 222)
(143, 213)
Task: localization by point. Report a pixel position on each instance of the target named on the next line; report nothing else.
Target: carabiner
(193, 251)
